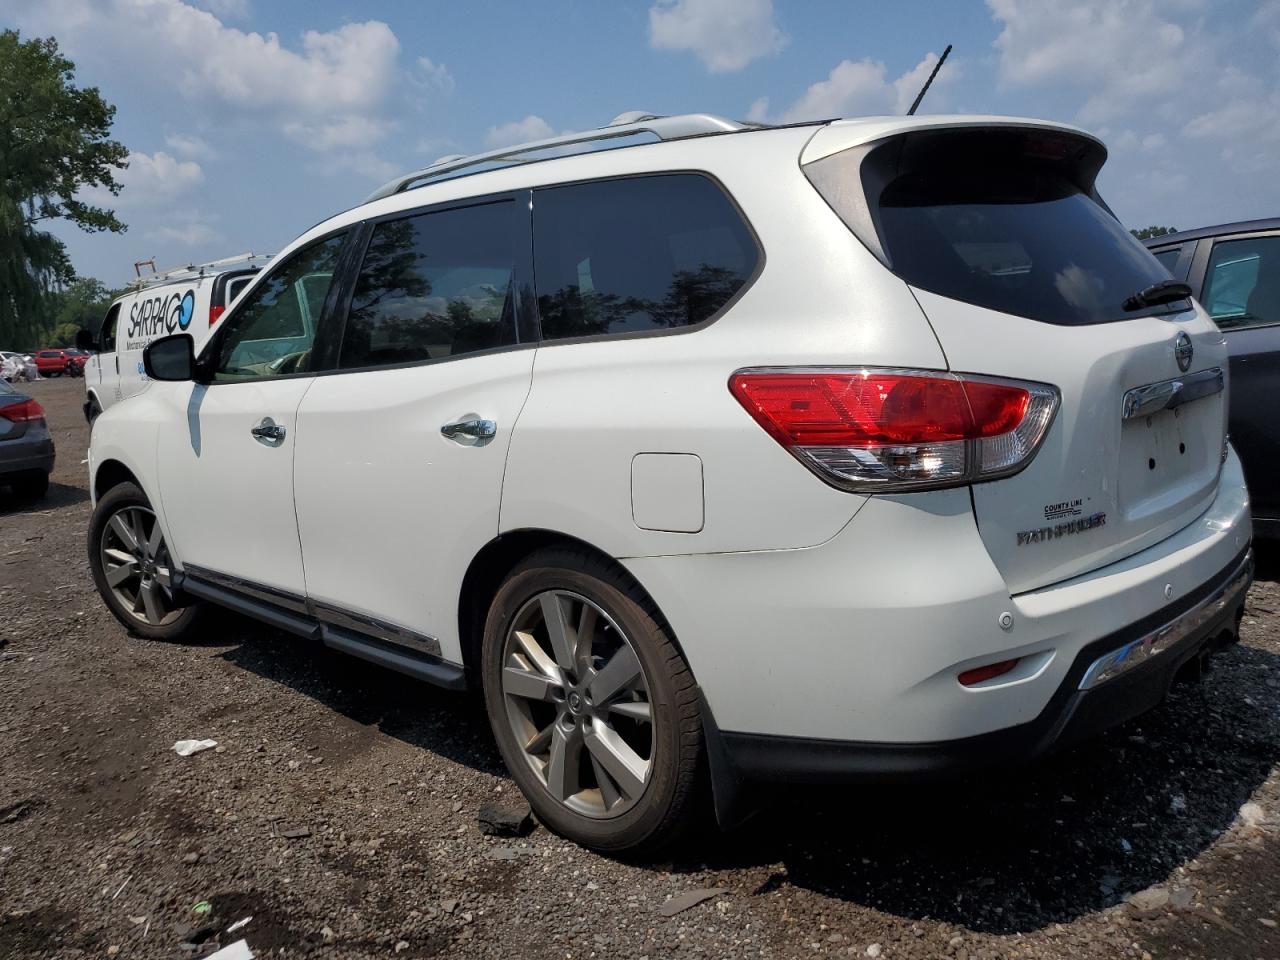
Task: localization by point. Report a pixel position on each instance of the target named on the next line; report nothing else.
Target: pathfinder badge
(1043, 534)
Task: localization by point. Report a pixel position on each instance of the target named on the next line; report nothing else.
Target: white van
(188, 299)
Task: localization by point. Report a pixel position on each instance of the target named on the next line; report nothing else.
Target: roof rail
(624, 125)
(193, 270)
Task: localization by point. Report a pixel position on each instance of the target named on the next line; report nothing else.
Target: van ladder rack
(624, 125)
(194, 270)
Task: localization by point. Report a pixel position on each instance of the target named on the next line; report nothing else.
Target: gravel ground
(1161, 838)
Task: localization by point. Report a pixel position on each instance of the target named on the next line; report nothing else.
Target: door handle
(268, 432)
(471, 431)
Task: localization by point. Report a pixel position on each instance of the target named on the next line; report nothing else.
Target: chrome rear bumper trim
(1161, 640)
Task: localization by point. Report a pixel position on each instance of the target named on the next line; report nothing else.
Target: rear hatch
(1024, 273)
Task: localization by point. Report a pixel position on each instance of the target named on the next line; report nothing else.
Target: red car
(55, 361)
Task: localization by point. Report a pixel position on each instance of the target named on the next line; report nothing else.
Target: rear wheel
(592, 705)
(133, 569)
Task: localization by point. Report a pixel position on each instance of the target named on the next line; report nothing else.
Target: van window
(637, 254)
(233, 288)
(1242, 286)
(435, 285)
(1168, 257)
(108, 334)
(272, 333)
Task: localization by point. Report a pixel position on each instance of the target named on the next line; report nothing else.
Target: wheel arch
(499, 557)
(111, 473)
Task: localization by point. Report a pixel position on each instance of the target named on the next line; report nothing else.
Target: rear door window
(637, 254)
(436, 285)
(1242, 284)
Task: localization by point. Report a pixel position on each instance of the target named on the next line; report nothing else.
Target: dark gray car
(1234, 271)
(26, 448)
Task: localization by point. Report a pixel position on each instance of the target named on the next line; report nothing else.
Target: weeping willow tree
(54, 145)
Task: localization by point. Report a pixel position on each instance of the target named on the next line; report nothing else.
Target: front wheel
(133, 569)
(592, 705)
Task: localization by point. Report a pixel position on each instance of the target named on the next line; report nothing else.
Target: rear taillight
(881, 431)
(215, 314)
(23, 412)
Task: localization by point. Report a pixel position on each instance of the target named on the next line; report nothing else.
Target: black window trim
(672, 331)
(1200, 271)
(332, 325)
(522, 278)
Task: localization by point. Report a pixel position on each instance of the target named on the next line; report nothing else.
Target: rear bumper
(1111, 680)
(26, 455)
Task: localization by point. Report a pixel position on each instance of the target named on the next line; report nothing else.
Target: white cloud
(155, 178)
(330, 89)
(759, 110)
(725, 35)
(188, 145)
(434, 75)
(862, 88)
(1121, 52)
(531, 127)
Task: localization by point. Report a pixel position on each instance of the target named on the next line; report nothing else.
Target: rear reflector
(989, 672)
(881, 431)
(215, 314)
(23, 412)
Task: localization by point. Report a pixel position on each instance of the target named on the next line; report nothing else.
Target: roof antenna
(925, 89)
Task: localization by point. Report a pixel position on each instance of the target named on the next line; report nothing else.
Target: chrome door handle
(268, 432)
(471, 431)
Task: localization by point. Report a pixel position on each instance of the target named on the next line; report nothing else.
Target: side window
(637, 254)
(271, 333)
(434, 285)
(1242, 284)
(233, 288)
(107, 336)
(1168, 257)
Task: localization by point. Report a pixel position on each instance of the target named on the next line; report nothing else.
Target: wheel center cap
(575, 703)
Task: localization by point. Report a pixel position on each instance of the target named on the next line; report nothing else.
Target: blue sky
(250, 120)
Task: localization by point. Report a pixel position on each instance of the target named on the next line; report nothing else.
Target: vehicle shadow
(59, 495)
(452, 725)
(1017, 849)
(1266, 556)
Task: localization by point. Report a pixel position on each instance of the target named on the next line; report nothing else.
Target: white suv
(869, 448)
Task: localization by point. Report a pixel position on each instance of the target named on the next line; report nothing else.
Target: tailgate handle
(1167, 394)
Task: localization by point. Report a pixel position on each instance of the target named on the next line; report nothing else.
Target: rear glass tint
(637, 254)
(1005, 220)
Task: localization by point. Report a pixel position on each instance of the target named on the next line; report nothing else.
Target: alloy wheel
(578, 704)
(136, 565)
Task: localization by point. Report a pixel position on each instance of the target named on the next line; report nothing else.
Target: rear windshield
(1008, 221)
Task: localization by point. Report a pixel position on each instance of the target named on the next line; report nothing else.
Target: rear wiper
(1166, 291)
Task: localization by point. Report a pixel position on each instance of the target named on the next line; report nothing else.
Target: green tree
(1146, 233)
(53, 144)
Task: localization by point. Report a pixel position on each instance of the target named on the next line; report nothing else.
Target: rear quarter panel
(820, 299)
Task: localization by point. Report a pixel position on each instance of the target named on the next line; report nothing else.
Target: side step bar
(407, 660)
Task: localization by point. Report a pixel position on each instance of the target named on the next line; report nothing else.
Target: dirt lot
(108, 840)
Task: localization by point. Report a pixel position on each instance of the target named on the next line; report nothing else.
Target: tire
(554, 709)
(32, 486)
(144, 600)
